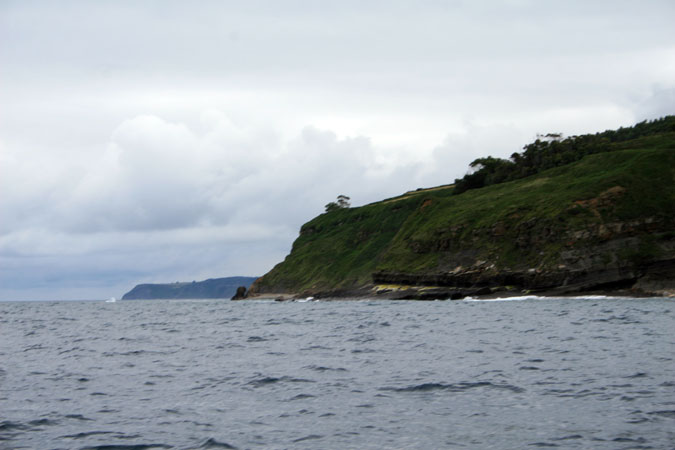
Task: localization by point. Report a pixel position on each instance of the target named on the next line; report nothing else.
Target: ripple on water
(212, 443)
(670, 414)
(308, 438)
(88, 434)
(453, 387)
(325, 369)
(265, 381)
(301, 397)
(127, 447)
(9, 429)
(78, 417)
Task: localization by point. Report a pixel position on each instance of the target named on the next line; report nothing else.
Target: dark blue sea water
(592, 373)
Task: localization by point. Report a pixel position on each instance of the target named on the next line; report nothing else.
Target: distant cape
(211, 288)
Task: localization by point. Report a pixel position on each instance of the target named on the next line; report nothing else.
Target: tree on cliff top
(553, 150)
(341, 202)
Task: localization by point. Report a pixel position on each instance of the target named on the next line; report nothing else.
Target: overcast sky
(156, 141)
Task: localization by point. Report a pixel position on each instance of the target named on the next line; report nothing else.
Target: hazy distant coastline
(211, 288)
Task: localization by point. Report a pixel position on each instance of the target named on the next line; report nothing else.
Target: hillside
(211, 288)
(603, 222)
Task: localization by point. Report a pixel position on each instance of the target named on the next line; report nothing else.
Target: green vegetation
(552, 150)
(340, 248)
(341, 202)
(515, 222)
(563, 215)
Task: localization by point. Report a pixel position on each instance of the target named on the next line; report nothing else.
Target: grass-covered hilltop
(580, 214)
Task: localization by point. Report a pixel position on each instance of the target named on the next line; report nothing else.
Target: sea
(528, 372)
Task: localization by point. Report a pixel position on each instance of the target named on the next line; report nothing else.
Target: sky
(160, 141)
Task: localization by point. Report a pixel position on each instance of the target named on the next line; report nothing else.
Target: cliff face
(211, 288)
(606, 222)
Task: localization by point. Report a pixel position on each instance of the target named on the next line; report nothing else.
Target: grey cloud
(156, 175)
(141, 38)
(660, 103)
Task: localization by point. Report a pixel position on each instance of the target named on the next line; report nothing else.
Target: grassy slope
(546, 199)
(343, 248)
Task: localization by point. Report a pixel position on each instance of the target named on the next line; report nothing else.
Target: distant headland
(211, 288)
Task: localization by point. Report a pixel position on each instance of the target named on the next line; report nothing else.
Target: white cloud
(166, 199)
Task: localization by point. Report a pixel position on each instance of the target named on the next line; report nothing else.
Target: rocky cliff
(604, 223)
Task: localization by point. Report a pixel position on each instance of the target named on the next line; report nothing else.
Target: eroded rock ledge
(656, 278)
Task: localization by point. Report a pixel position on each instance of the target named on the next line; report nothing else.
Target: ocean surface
(591, 373)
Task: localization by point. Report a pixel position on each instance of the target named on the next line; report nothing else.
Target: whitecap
(505, 299)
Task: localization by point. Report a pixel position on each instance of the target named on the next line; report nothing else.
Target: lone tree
(341, 202)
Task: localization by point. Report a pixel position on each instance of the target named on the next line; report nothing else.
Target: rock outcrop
(240, 294)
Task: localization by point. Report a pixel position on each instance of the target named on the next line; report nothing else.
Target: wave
(127, 447)
(506, 299)
(453, 387)
(543, 297)
(212, 443)
(272, 380)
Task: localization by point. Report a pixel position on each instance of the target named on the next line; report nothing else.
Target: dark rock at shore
(240, 294)
(641, 279)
